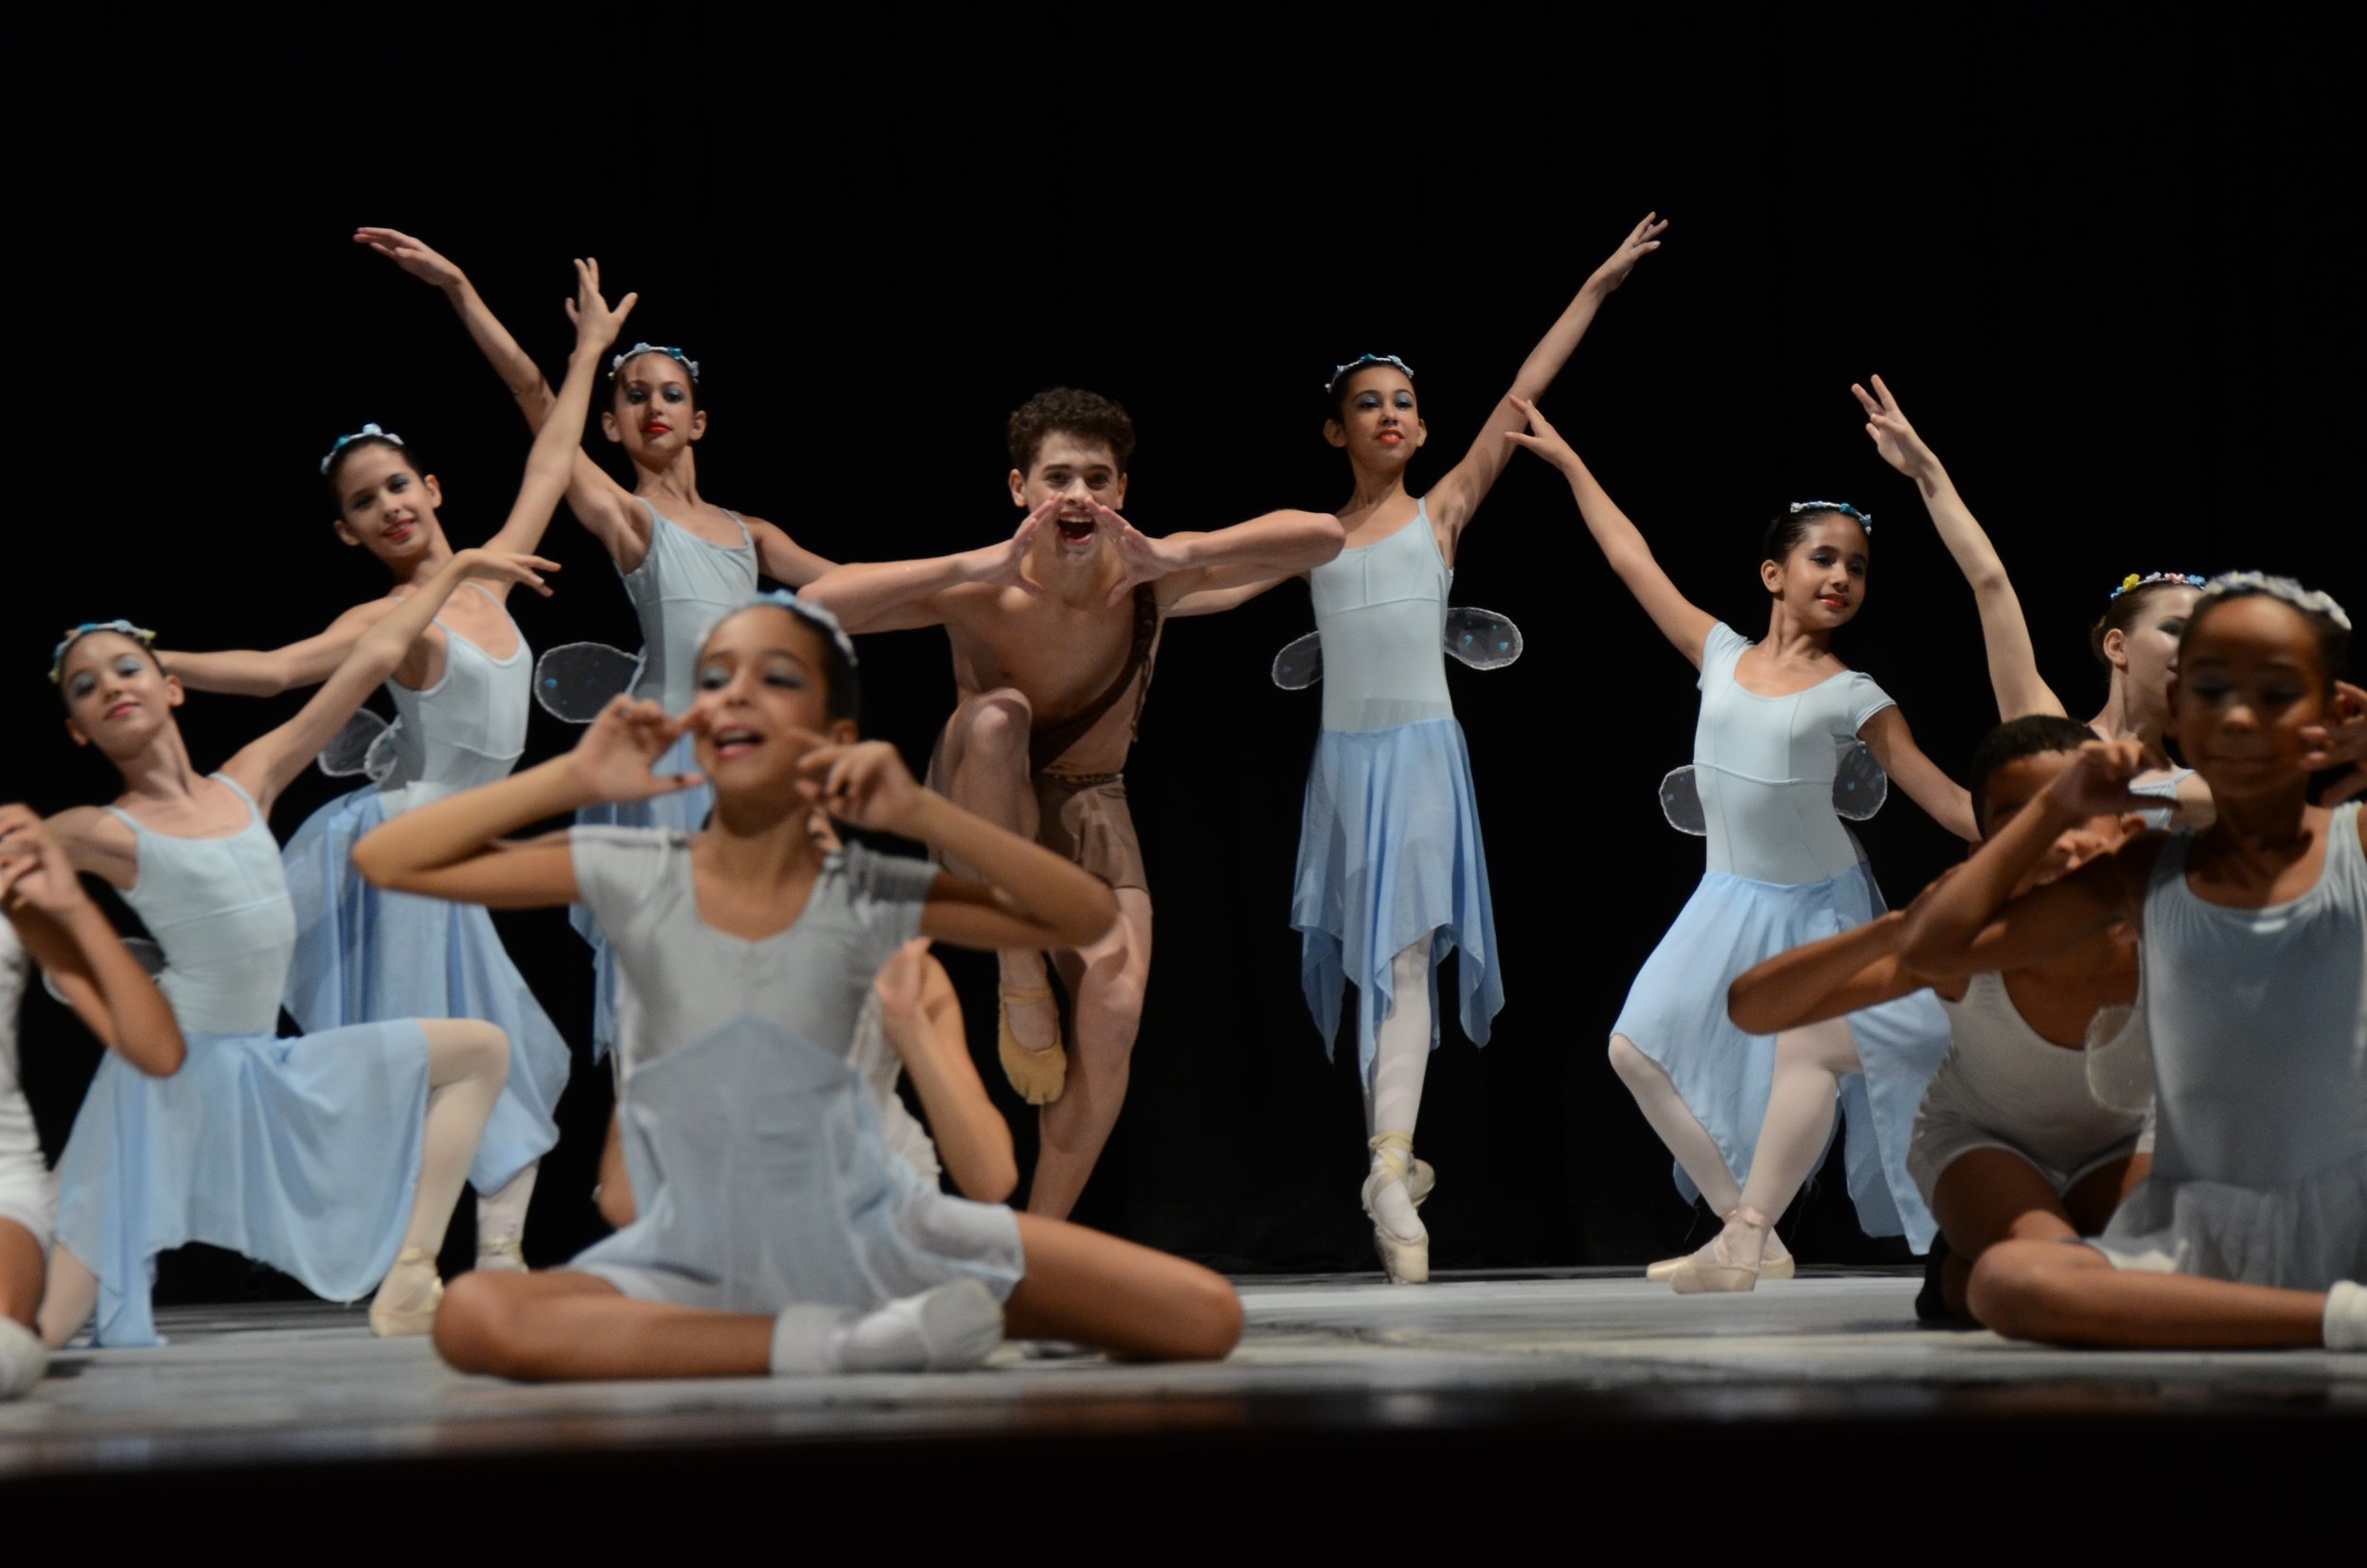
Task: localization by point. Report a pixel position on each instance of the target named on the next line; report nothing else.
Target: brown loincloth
(1086, 820)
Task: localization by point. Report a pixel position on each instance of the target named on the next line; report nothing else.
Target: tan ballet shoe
(1406, 1258)
(1715, 1269)
(390, 1322)
(1040, 1075)
(1774, 1263)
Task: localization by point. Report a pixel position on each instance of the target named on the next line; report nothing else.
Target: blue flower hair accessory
(140, 634)
(368, 433)
(680, 358)
(2130, 584)
(812, 613)
(1864, 520)
(2309, 601)
(1359, 362)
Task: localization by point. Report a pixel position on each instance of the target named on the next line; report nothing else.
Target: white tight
(502, 1215)
(1656, 1095)
(1393, 1094)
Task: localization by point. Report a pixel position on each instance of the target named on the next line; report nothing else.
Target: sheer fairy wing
(349, 750)
(575, 681)
(1300, 664)
(2119, 1060)
(1680, 802)
(152, 958)
(1859, 785)
(1481, 638)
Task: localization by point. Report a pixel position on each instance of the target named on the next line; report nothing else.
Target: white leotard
(681, 589)
(469, 728)
(1381, 609)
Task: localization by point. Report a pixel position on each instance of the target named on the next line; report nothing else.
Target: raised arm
(1457, 495)
(267, 672)
(1254, 554)
(1859, 968)
(1946, 802)
(2013, 664)
(603, 506)
(922, 1019)
(897, 596)
(67, 935)
(1681, 621)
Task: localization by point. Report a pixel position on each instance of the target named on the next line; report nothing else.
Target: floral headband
(368, 433)
(2130, 584)
(1864, 520)
(140, 634)
(2309, 601)
(639, 348)
(1359, 362)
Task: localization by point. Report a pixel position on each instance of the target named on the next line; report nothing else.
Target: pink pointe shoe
(1731, 1261)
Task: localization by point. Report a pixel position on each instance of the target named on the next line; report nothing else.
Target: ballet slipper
(1406, 1258)
(1039, 1074)
(2346, 1316)
(506, 1253)
(951, 1328)
(23, 1359)
(1419, 1181)
(1720, 1267)
(1774, 1263)
(391, 1320)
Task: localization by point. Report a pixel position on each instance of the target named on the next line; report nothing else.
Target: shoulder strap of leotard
(1045, 745)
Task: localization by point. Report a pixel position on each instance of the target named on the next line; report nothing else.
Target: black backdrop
(2100, 252)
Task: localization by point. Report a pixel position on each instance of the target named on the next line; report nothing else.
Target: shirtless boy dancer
(1054, 632)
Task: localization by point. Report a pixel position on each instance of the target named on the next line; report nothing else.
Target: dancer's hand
(1141, 558)
(1641, 241)
(2343, 739)
(597, 321)
(865, 783)
(1541, 436)
(413, 256)
(505, 566)
(34, 871)
(900, 984)
(1005, 565)
(2097, 783)
(1893, 438)
(618, 758)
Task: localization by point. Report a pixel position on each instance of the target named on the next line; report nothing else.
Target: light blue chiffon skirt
(1389, 847)
(684, 811)
(301, 1152)
(764, 1180)
(1675, 1014)
(363, 955)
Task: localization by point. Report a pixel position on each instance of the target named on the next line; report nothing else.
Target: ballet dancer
(462, 694)
(1748, 1117)
(1054, 633)
(2251, 1228)
(776, 1230)
(65, 932)
(685, 560)
(2134, 639)
(2008, 1142)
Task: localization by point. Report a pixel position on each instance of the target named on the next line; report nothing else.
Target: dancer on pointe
(463, 692)
(2135, 639)
(2252, 1229)
(111, 995)
(1392, 873)
(1748, 1117)
(2009, 1141)
(1054, 634)
(685, 560)
(776, 1230)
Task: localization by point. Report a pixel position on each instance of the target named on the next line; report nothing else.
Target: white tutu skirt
(301, 1152)
(2300, 1238)
(1675, 1014)
(363, 957)
(684, 811)
(764, 1181)
(1389, 847)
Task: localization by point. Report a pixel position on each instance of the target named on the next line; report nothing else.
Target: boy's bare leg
(2064, 1294)
(1107, 979)
(986, 772)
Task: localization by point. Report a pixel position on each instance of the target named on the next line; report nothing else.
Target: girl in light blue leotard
(1749, 1117)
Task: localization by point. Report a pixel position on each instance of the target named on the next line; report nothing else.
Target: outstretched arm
(1253, 554)
(1946, 802)
(1681, 621)
(922, 1019)
(897, 596)
(782, 559)
(1859, 968)
(267, 672)
(67, 935)
(2013, 664)
(603, 506)
(1457, 495)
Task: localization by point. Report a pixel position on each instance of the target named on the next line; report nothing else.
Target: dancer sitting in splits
(686, 562)
(1054, 632)
(1392, 873)
(462, 691)
(334, 1157)
(2135, 639)
(2009, 1142)
(114, 997)
(2252, 1229)
(1749, 1117)
(776, 1227)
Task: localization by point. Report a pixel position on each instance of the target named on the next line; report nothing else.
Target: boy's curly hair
(1066, 410)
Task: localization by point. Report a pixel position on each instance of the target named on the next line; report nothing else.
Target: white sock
(1400, 1059)
(956, 1324)
(2346, 1316)
(23, 1359)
